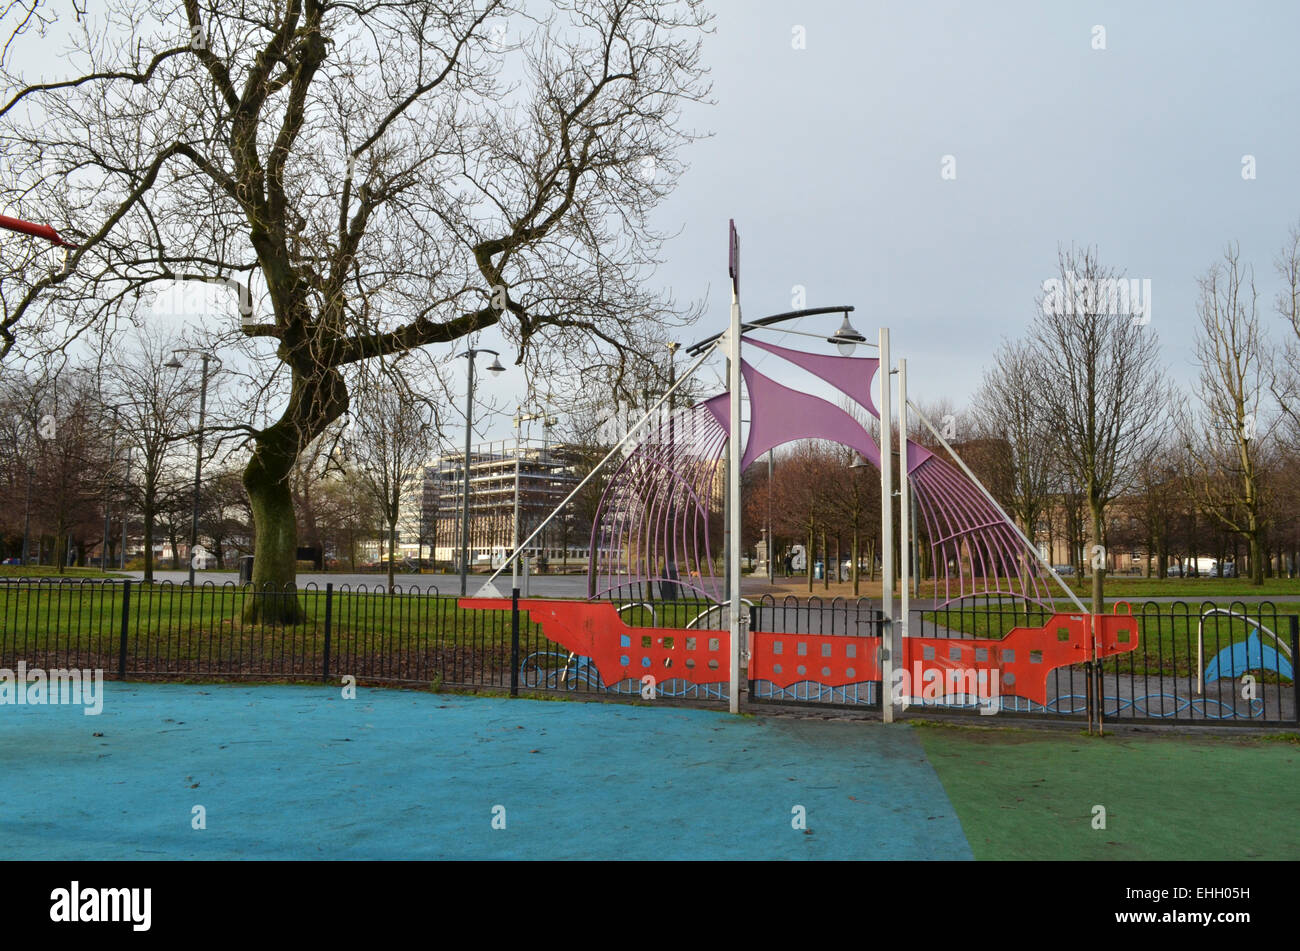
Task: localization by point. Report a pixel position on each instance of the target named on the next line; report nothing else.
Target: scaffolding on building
(542, 473)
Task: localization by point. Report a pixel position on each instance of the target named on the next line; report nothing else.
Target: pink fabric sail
(658, 522)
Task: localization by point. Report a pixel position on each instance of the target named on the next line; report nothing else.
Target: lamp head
(846, 338)
(496, 369)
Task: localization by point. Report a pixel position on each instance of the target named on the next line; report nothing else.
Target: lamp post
(495, 369)
(112, 460)
(27, 516)
(175, 364)
(126, 482)
(520, 417)
(846, 340)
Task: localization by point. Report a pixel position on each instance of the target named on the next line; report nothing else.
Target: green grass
(179, 629)
(179, 624)
(49, 571)
(172, 623)
(1167, 633)
(1124, 586)
(1031, 795)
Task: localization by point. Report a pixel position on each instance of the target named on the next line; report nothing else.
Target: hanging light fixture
(846, 338)
(496, 369)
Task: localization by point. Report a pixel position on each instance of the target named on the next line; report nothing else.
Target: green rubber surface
(1028, 795)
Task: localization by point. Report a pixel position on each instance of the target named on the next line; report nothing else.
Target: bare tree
(152, 406)
(802, 495)
(1227, 438)
(369, 179)
(1161, 491)
(1009, 409)
(1098, 373)
(389, 439)
(1286, 373)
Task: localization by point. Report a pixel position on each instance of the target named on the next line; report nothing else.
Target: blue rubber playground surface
(291, 772)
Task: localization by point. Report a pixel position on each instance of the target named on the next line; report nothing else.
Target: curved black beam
(695, 348)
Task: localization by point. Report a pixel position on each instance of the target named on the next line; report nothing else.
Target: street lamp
(846, 338)
(175, 364)
(521, 417)
(112, 462)
(495, 369)
(126, 482)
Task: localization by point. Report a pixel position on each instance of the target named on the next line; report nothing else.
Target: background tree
(801, 495)
(855, 507)
(1285, 380)
(1101, 381)
(224, 517)
(1007, 408)
(346, 514)
(1227, 438)
(70, 459)
(391, 435)
(371, 179)
(1160, 491)
(153, 404)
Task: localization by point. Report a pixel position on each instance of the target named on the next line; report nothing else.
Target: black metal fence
(1212, 663)
(164, 631)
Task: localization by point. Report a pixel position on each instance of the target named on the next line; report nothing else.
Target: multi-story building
(541, 473)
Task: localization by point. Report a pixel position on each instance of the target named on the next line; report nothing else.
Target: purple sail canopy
(852, 376)
(780, 415)
(658, 522)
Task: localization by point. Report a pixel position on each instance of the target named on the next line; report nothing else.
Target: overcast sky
(829, 159)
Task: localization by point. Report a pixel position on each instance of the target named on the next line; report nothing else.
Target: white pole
(904, 516)
(886, 534)
(488, 590)
(1030, 546)
(733, 482)
(514, 562)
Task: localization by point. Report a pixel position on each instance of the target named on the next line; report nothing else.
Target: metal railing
(1192, 664)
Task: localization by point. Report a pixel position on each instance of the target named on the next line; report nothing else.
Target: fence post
(329, 614)
(750, 630)
(1295, 657)
(514, 642)
(126, 613)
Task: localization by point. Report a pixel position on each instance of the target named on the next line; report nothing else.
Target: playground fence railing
(1217, 662)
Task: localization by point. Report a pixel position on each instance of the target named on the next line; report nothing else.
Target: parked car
(12, 561)
(1063, 569)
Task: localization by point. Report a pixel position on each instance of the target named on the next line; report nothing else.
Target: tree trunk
(1256, 558)
(60, 545)
(1098, 574)
(826, 565)
(808, 560)
(275, 543)
(392, 548)
(314, 402)
(856, 578)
